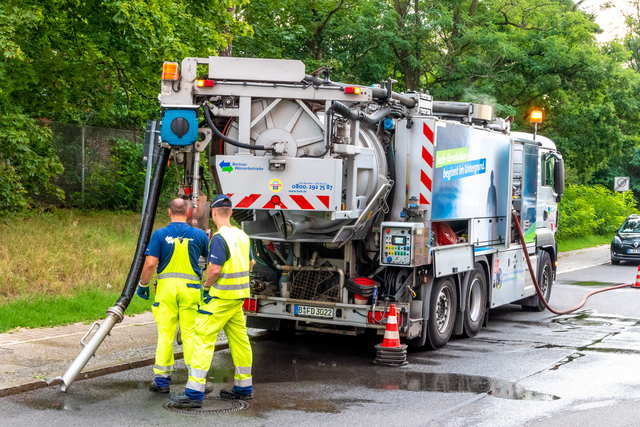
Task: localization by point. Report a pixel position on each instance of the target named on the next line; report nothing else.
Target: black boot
(185, 402)
(231, 394)
(157, 389)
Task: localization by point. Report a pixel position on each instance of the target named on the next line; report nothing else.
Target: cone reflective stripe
(637, 285)
(391, 335)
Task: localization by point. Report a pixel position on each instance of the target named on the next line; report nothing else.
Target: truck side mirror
(558, 178)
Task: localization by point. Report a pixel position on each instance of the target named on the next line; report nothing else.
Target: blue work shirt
(219, 251)
(161, 244)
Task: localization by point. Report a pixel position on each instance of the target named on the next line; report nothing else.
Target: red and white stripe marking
(276, 201)
(426, 169)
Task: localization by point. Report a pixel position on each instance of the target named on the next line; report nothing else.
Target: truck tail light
(250, 305)
(352, 89)
(170, 71)
(205, 83)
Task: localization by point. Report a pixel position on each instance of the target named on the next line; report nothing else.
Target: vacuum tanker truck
(357, 197)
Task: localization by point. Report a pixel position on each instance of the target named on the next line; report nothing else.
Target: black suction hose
(145, 230)
(391, 164)
(207, 116)
(370, 120)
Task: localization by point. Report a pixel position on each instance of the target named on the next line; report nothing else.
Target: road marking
(71, 334)
(582, 268)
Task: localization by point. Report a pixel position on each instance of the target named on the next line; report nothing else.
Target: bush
(586, 211)
(120, 184)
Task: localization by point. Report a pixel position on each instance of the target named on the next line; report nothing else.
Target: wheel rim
(443, 311)
(475, 300)
(544, 283)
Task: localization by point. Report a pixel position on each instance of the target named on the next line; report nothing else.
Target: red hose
(539, 291)
(223, 132)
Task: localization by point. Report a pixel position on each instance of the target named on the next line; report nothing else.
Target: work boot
(232, 394)
(185, 402)
(154, 387)
(208, 387)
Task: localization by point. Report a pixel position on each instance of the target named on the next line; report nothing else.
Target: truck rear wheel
(442, 312)
(475, 302)
(545, 281)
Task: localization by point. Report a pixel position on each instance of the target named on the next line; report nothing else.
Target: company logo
(226, 167)
(635, 244)
(275, 185)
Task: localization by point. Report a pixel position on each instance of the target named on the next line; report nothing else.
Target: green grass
(38, 311)
(66, 266)
(576, 243)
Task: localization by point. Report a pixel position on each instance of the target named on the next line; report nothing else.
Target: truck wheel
(545, 280)
(442, 312)
(475, 302)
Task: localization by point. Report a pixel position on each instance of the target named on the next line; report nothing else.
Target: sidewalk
(583, 258)
(34, 358)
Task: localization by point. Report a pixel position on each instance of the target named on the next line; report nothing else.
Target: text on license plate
(633, 251)
(303, 310)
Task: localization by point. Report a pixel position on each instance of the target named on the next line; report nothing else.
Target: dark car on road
(625, 246)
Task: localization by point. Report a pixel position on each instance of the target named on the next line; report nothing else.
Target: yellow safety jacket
(179, 267)
(233, 282)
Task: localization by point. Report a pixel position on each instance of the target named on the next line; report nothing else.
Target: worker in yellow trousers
(226, 288)
(176, 250)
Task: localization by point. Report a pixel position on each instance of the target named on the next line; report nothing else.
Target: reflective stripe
(243, 370)
(234, 275)
(239, 287)
(198, 373)
(164, 375)
(177, 276)
(163, 368)
(195, 386)
(204, 312)
(243, 383)
(193, 285)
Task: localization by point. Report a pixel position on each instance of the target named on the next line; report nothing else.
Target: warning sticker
(275, 185)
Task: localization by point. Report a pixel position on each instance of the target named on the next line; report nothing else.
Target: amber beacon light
(170, 71)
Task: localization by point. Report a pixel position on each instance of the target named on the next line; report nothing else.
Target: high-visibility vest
(179, 267)
(233, 282)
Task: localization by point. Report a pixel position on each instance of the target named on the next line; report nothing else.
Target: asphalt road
(524, 369)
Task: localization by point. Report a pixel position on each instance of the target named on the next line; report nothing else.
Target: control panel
(401, 244)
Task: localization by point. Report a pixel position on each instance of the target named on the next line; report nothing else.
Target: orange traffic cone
(637, 285)
(391, 335)
(391, 352)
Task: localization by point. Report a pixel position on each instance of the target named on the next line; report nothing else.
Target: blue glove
(143, 291)
(205, 294)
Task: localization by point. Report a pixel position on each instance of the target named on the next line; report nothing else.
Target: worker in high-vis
(227, 286)
(176, 250)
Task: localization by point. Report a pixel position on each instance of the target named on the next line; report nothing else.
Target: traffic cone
(391, 352)
(637, 285)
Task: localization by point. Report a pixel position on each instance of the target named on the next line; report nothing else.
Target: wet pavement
(532, 369)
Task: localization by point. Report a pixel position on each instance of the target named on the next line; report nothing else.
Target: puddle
(589, 283)
(567, 360)
(517, 392)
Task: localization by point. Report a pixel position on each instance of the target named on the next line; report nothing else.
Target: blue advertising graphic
(464, 170)
(471, 174)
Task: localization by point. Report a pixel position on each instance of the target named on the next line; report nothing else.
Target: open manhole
(213, 405)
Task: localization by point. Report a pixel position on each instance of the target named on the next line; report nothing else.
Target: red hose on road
(539, 291)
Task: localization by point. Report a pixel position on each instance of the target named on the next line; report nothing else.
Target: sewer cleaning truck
(355, 198)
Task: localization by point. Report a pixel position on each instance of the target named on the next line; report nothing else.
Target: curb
(21, 386)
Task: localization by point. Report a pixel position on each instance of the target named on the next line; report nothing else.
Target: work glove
(143, 291)
(205, 293)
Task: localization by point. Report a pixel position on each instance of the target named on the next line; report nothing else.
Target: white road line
(70, 335)
(581, 268)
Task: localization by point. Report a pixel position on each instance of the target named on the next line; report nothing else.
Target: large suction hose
(539, 291)
(212, 126)
(370, 120)
(115, 314)
(376, 92)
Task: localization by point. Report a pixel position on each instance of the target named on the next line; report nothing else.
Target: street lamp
(536, 117)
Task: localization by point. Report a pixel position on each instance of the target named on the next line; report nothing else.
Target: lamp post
(536, 117)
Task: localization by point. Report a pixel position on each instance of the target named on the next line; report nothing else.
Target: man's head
(221, 209)
(178, 210)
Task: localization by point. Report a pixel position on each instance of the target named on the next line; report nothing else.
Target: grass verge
(583, 242)
(39, 311)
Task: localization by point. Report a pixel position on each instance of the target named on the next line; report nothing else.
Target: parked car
(625, 245)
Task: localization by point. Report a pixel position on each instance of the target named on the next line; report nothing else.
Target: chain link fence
(81, 149)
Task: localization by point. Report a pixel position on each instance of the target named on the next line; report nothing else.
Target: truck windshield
(630, 225)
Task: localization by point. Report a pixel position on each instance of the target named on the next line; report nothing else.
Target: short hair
(223, 211)
(178, 207)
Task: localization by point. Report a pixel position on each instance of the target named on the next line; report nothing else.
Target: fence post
(83, 164)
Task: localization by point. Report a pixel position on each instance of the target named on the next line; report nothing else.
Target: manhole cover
(209, 406)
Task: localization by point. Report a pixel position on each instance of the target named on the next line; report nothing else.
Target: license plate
(633, 251)
(303, 310)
